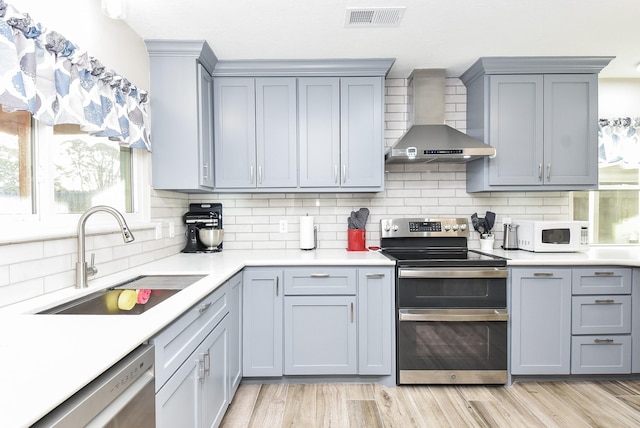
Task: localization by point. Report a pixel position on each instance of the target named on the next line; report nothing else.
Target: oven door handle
(449, 315)
(450, 273)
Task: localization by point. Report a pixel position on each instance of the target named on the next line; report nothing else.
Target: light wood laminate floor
(525, 404)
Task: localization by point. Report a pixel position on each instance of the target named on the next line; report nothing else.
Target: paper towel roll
(307, 233)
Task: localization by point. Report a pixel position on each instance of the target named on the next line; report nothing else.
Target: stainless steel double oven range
(451, 304)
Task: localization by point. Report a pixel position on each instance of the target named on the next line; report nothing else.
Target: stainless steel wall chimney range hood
(429, 140)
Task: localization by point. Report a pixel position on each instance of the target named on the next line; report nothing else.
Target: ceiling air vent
(374, 17)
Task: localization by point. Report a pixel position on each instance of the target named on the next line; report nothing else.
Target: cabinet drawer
(601, 314)
(602, 280)
(600, 354)
(178, 340)
(320, 281)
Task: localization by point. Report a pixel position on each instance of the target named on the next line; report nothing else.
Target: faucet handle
(92, 269)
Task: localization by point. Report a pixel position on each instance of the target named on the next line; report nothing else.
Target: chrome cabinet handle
(604, 301)
(319, 275)
(205, 171)
(201, 368)
(375, 275)
(603, 273)
(539, 172)
(602, 341)
(344, 173)
(549, 171)
(335, 173)
(351, 312)
(259, 175)
(204, 307)
(542, 274)
(251, 175)
(277, 285)
(207, 364)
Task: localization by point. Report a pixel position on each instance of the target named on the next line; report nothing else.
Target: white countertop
(44, 359)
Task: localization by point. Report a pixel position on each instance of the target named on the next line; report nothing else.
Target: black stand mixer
(204, 228)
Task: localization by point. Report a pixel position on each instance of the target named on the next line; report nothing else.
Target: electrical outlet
(283, 226)
(159, 231)
(172, 230)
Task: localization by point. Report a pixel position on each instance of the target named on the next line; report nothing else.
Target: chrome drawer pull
(542, 274)
(603, 273)
(204, 307)
(602, 341)
(277, 285)
(319, 275)
(604, 301)
(375, 275)
(351, 312)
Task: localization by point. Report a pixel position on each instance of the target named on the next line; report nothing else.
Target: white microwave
(553, 236)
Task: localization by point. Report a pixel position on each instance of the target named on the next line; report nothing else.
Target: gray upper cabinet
(255, 132)
(341, 122)
(181, 116)
(541, 114)
(299, 126)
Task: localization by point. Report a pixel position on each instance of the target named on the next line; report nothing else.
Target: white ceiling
(449, 34)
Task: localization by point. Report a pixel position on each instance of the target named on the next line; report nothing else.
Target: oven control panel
(424, 227)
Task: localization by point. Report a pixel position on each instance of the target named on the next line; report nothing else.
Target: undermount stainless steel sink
(105, 302)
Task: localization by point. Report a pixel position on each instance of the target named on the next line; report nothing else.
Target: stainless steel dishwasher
(122, 396)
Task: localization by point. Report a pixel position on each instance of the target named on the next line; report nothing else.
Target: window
(613, 211)
(47, 172)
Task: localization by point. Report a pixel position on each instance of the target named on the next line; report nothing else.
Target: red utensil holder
(356, 240)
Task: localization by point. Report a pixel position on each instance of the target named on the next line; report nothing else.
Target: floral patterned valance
(619, 142)
(57, 82)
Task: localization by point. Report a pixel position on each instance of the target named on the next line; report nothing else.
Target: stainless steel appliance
(204, 228)
(553, 236)
(510, 238)
(123, 396)
(451, 304)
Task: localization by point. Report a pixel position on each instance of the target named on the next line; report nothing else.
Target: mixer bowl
(210, 237)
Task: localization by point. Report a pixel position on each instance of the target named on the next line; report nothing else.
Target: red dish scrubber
(143, 296)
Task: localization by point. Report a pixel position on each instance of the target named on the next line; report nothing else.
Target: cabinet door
(178, 401)
(516, 129)
(570, 121)
(205, 126)
(262, 322)
(276, 132)
(235, 333)
(375, 321)
(234, 131)
(635, 321)
(215, 385)
(607, 354)
(320, 335)
(601, 280)
(540, 321)
(608, 314)
(319, 128)
(361, 132)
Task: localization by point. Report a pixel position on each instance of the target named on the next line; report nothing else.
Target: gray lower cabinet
(320, 335)
(540, 315)
(538, 113)
(331, 321)
(341, 132)
(181, 108)
(235, 332)
(255, 132)
(192, 365)
(601, 323)
(635, 321)
(262, 316)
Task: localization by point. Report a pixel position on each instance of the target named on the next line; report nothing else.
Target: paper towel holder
(315, 240)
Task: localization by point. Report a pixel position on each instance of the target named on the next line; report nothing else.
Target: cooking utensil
(474, 221)
(490, 219)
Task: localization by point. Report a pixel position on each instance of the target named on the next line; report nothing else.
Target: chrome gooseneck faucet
(82, 270)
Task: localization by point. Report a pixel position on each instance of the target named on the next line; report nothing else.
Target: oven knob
(455, 227)
(395, 228)
(463, 227)
(387, 227)
(447, 227)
